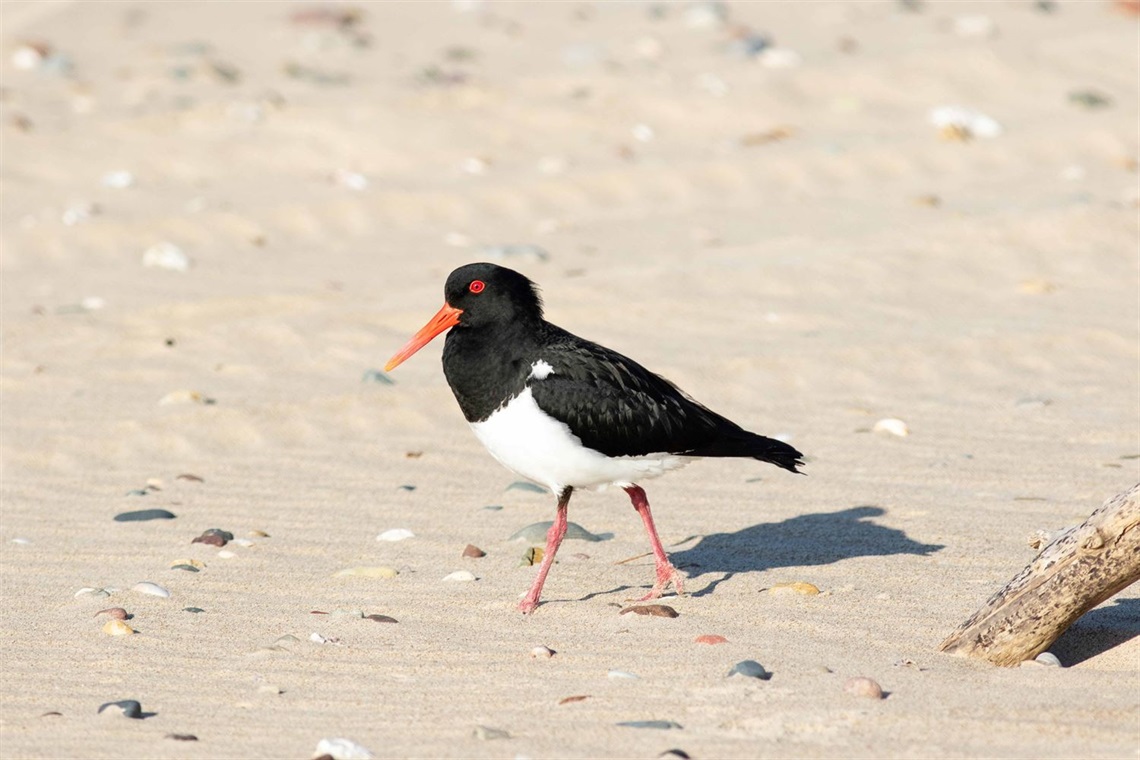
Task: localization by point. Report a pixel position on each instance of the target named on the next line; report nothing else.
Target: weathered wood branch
(1076, 571)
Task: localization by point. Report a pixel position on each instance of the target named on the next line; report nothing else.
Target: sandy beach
(220, 219)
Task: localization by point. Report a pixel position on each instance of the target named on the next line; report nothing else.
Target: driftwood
(1077, 570)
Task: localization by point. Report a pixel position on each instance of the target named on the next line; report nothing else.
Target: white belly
(527, 440)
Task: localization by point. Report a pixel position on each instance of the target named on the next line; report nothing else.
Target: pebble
(367, 572)
(523, 485)
(486, 733)
(471, 550)
(117, 628)
(182, 737)
(542, 653)
(395, 534)
(573, 699)
(794, 587)
(381, 618)
(194, 610)
(126, 708)
(185, 567)
(1048, 658)
(92, 591)
(166, 255)
(191, 477)
(622, 674)
(658, 724)
(749, 669)
(30, 55)
(196, 564)
(1089, 99)
(214, 537)
(120, 179)
(460, 576)
(678, 753)
(863, 687)
(532, 556)
(152, 589)
(535, 533)
(142, 515)
(893, 426)
(377, 376)
(22, 541)
(342, 749)
(710, 638)
(958, 123)
(226, 554)
(655, 610)
(185, 397)
(115, 613)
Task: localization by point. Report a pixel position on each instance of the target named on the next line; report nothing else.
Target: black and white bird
(567, 413)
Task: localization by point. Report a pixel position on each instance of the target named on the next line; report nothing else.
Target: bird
(567, 413)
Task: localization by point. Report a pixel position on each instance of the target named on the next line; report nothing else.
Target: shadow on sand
(1098, 631)
(816, 539)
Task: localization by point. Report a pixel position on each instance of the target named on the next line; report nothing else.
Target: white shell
(975, 123)
(395, 534)
(460, 575)
(342, 749)
(166, 256)
(892, 425)
(153, 589)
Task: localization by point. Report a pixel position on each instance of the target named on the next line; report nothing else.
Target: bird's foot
(666, 575)
(528, 605)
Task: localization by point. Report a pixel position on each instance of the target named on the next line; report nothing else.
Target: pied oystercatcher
(567, 413)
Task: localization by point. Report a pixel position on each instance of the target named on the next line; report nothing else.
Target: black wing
(619, 408)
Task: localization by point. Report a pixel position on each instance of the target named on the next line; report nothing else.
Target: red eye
(476, 286)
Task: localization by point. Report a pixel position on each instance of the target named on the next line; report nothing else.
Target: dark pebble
(656, 610)
(182, 737)
(749, 669)
(678, 753)
(214, 537)
(659, 724)
(117, 613)
(405, 487)
(191, 477)
(128, 708)
(193, 609)
(137, 492)
(381, 618)
(187, 568)
(52, 714)
(473, 551)
(142, 515)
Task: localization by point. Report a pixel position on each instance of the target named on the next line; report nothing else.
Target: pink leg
(553, 539)
(666, 573)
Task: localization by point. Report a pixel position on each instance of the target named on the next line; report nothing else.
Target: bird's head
(477, 295)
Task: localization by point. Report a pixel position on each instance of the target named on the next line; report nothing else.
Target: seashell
(395, 534)
(166, 255)
(710, 638)
(794, 587)
(542, 653)
(119, 179)
(622, 674)
(532, 556)
(151, 589)
(367, 572)
(226, 554)
(654, 610)
(1048, 658)
(892, 425)
(863, 687)
(117, 628)
(381, 619)
(94, 592)
(658, 724)
(956, 122)
(342, 749)
(573, 699)
(471, 550)
(126, 708)
(196, 564)
(115, 613)
(486, 733)
(749, 669)
(460, 576)
(643, 133)
(22, 541)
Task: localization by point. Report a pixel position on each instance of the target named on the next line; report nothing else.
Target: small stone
(184, 397)
(142, 515)
(955, 122)
(794, 587)
(749, 669)
(226, 554)
(678, 753)
(342, 749)
(542, 653)
(367, 572)
(535, 533)
(120, 179)
(1048, 658)
(710, 638)
(658, 724)
(22, 541)
(532, 556)
(624, 674)
(191, 477)
(194, 610)
(893, 426)
(863, 687)
(473, 551)
(186, 567)
(97, 593)
(182, 737)
(381, 618)
(460, 576)
(1089, 99)
(214, 537)
(115, 613)
(486, 733)
(166, 255)
(573, 699)
(655, 610)
(395, 534)
(126, 708)
(117, 628)
(151, 589)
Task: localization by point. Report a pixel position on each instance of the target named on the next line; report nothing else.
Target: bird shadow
(1098, 631)
(816, 539)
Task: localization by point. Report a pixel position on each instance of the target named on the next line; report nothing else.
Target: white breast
(527, 440)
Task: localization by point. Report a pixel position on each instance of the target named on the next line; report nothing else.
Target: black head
(489, 294)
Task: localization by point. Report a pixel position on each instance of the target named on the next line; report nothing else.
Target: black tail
(745, 444)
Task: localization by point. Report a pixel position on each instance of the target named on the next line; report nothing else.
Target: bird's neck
(488, 365)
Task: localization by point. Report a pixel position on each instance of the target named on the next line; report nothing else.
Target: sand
(786, 236)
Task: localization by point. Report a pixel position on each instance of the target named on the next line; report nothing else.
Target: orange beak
(446, 317)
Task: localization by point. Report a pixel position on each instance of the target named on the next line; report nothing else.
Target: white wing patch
(541, 370)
